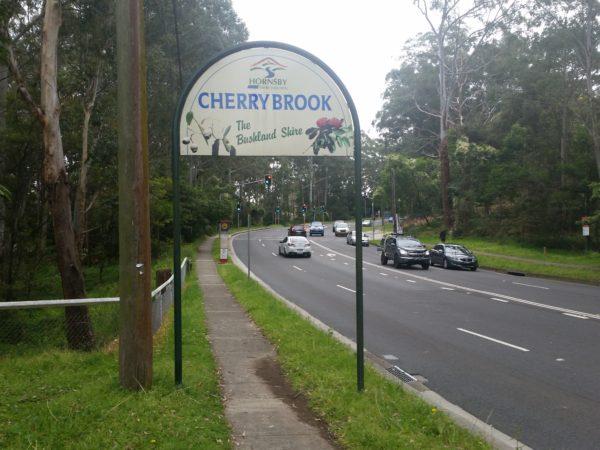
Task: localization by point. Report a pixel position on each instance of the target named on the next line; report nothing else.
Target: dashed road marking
(497, 341)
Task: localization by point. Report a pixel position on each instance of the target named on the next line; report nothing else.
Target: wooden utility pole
(135, 344)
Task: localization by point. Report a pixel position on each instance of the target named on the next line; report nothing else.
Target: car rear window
(297, 239)
(408, 243)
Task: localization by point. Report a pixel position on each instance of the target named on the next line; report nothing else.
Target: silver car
(351, 239)
(294, 246)
(342, 229)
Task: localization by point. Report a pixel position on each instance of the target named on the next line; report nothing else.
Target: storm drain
(401, 374)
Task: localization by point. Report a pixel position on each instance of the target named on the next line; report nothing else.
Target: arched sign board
(266, 99)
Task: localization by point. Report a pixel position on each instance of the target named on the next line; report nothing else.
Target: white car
(351, 239)
(342, 229)
(294, 245)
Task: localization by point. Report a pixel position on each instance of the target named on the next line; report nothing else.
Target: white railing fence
(41, 324)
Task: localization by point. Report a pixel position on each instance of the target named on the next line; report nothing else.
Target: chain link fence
(92, 323)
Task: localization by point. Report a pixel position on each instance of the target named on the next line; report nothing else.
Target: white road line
(499, 300)
(577, 316)
(447, 289)
(345, 288)
(383, 274)
(390, 357)
(346, 264)
(479, 291)
(493, 340)
(531, 285)
(297, 268)
(274, 254)
(410, 281)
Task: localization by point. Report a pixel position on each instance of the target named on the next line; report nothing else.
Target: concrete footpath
(262, 410)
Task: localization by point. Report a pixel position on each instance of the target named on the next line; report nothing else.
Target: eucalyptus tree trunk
(79, 211)
(443, 143)
(79, 329)
(440, 32)
(3, 192)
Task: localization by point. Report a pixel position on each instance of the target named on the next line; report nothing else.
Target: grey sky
(360, 40)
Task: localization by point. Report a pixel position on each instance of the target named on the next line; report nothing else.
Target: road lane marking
(345, 288)
(297, 268)
(447, 288)
(577, 316)
(410, 281)
(531, 285)
(497, 341)
(384, 274)
(274, 254)
(479, 291)
(499, 300)
(390, 357)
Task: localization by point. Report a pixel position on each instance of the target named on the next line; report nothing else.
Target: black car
(403, 251)
(297, 230)
(453, 255)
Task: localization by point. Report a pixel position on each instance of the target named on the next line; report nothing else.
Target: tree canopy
(488, 123)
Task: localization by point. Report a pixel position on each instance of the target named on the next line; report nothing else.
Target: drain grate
(401, 374)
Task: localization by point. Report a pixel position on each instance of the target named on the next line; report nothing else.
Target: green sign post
(266, 99)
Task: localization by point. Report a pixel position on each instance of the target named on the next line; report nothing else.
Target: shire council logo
(267, 70)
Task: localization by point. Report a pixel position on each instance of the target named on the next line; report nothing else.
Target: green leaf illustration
(189, 117)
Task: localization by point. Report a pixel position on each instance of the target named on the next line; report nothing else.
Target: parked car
(316, 227)
(367, 223)
(351, 238)
(453, 255)
(336, 223)
(295, 246)
(403, 251)
(342, 229)
(297, 230)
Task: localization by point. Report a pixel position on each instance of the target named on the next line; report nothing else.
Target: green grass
(383, 416)
(72, 400)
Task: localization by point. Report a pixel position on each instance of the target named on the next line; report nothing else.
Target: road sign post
(266, 99)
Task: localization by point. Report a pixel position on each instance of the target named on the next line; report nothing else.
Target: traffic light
(238, 207)
(304, 207)
(268, 181)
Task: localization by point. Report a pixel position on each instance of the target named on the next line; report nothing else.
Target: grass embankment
(509, 255)
(73, 400)
(383, 416)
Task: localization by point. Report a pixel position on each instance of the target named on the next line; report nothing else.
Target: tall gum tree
(445, 18)
(79, 328)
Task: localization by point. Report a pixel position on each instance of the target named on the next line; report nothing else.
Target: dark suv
(403, 251)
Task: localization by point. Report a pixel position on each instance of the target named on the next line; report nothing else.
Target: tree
(47, 112)
(578, 22)
(452, 73)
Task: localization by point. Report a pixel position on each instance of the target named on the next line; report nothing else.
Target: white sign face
(586, 230)
(265, 101)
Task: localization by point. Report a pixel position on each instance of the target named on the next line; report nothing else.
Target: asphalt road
(519, 353)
